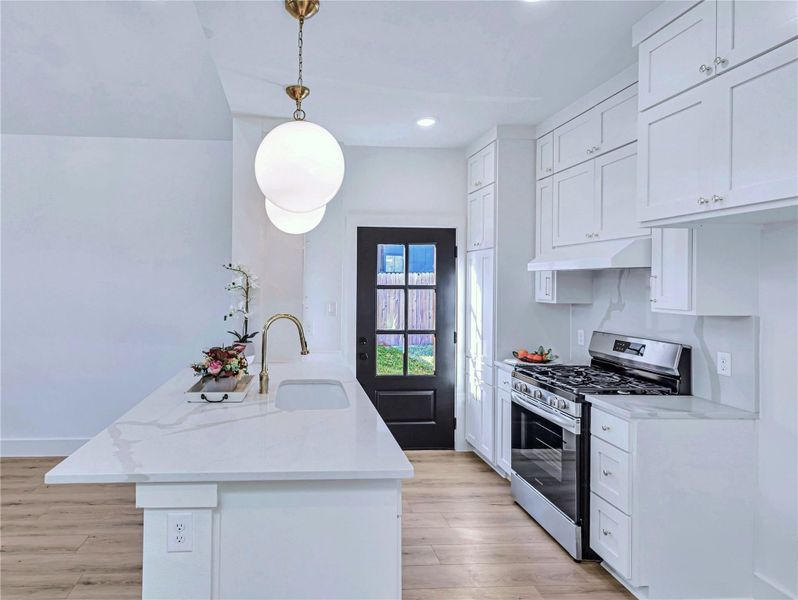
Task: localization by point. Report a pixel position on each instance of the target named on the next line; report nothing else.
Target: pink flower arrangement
(221, 363)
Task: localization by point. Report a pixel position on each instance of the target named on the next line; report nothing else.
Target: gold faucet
(264, 366)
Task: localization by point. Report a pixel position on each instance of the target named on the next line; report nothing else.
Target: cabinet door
(475, 175)
(671, 269)
(544, 157)
(544, 216)
(678, 56)
(616, 194)
(482, 168)
(473, 412)
(757, 130)
(575, 141)
(487, 439)
(749, 27)
(675, 156)
(617, 119)
(505, 416)
(486, 323)
(575, 219)
(544, 286)
(479, 309)
(481, 219)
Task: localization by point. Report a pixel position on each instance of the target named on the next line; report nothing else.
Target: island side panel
(310, 539)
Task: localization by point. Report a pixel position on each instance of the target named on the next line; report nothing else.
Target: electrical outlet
(179, 532)
(724, 364)
(580, 337)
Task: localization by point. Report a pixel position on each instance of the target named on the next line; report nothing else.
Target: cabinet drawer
(611, 535)
(609, 428)
(609, 474)
(504, 380)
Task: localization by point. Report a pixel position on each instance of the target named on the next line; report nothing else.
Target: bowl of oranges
(539, 356)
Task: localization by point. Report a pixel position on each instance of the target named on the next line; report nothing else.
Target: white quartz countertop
(166, 439)
(666, 407)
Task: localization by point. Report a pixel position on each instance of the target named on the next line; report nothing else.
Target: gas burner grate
(591, 380)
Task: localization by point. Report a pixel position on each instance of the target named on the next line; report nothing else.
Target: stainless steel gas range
(551, 425)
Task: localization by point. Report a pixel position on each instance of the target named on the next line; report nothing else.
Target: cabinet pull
(703, 200)
(719, 60)
(705, 69)
(652, 300)
(606, 532)
(548, 169)
(606, 473)
(605, 428)
(717, 198)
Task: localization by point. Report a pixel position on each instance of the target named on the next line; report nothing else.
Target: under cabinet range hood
(613, 254)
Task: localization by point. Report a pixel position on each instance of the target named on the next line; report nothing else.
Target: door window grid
(413, 342)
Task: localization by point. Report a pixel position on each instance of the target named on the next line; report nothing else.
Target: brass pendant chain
(299, 114)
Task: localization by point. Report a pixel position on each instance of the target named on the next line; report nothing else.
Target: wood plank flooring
(463, 538)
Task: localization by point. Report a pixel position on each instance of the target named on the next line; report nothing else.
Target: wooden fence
(390, 306)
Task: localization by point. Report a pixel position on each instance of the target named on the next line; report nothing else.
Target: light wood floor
(464, 539)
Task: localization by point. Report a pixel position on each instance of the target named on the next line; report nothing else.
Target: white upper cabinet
(756, 132)
(711, 38)
(746, 28)
(671, 270)
(675, 152)
(617, 118)
(544, 157)
(615, 194)
(482, 168)
(481, 219)
(575, 220)
(678, 56)
(575, 141)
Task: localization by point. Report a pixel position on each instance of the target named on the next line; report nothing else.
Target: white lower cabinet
(480, 423)
(673, 496)
(705, 271)
(504, 419)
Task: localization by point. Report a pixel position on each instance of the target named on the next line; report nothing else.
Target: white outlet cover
(724, 364)
(580, 337)
(179, 532)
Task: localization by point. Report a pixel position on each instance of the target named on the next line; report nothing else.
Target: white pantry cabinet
(544, 157)
(504, 419)
(705, 271)
(481, 218)
(480, 415)
(729, 145)
(606, 126)
(482, 168)
(673, 495)
(713, 37)
(479, 316)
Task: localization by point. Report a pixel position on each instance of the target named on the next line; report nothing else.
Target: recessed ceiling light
(425, 122)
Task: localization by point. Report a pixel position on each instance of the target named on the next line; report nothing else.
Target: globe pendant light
(292, 222)
(299, 165)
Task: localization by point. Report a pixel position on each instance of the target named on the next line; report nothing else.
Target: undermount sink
(311, 395)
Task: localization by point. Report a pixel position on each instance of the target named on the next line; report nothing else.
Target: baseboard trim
(40, 446)
(766, 588)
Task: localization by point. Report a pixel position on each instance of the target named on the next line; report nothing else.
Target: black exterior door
(406, 291)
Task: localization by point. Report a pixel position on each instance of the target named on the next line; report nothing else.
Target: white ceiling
(375, 67)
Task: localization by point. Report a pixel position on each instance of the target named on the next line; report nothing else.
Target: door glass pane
(422, 264)
(421, 309)
(390, 264)
(390, 309)
(391, 354)
(421, 354)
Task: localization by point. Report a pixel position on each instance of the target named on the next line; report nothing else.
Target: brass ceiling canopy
(302, 9)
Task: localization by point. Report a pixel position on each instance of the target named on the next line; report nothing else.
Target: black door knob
(362, 341)
(363, 356)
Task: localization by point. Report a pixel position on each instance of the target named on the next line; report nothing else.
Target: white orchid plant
(243, 287)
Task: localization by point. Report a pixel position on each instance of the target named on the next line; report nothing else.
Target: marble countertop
(666, 407)
(166, 439)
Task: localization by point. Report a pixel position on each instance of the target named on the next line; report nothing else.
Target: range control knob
(537, 394)
(562, 404)
(553, 401)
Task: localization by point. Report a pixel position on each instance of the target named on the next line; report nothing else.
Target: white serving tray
(196, 394)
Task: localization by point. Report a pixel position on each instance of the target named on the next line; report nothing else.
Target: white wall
(383, 187)
(111, 276)
(776, 524)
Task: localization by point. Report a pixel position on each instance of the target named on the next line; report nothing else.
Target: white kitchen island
(292, 495)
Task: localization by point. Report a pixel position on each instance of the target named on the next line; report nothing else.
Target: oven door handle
(567, 423)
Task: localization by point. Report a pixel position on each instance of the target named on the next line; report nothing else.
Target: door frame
(349, 291)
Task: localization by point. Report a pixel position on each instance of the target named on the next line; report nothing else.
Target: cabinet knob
(606, 473)
(652, 300)
(705, 69)
(703, 200)
(717, 198)
(548, 169)
(605, 532)
(605, 428)
(719, 60)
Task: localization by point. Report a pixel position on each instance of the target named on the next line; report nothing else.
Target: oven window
(545, 456)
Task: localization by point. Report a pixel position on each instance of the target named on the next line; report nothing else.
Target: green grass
(421, 360)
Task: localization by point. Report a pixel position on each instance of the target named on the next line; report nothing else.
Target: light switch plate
(580, 337)
(724, 364)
